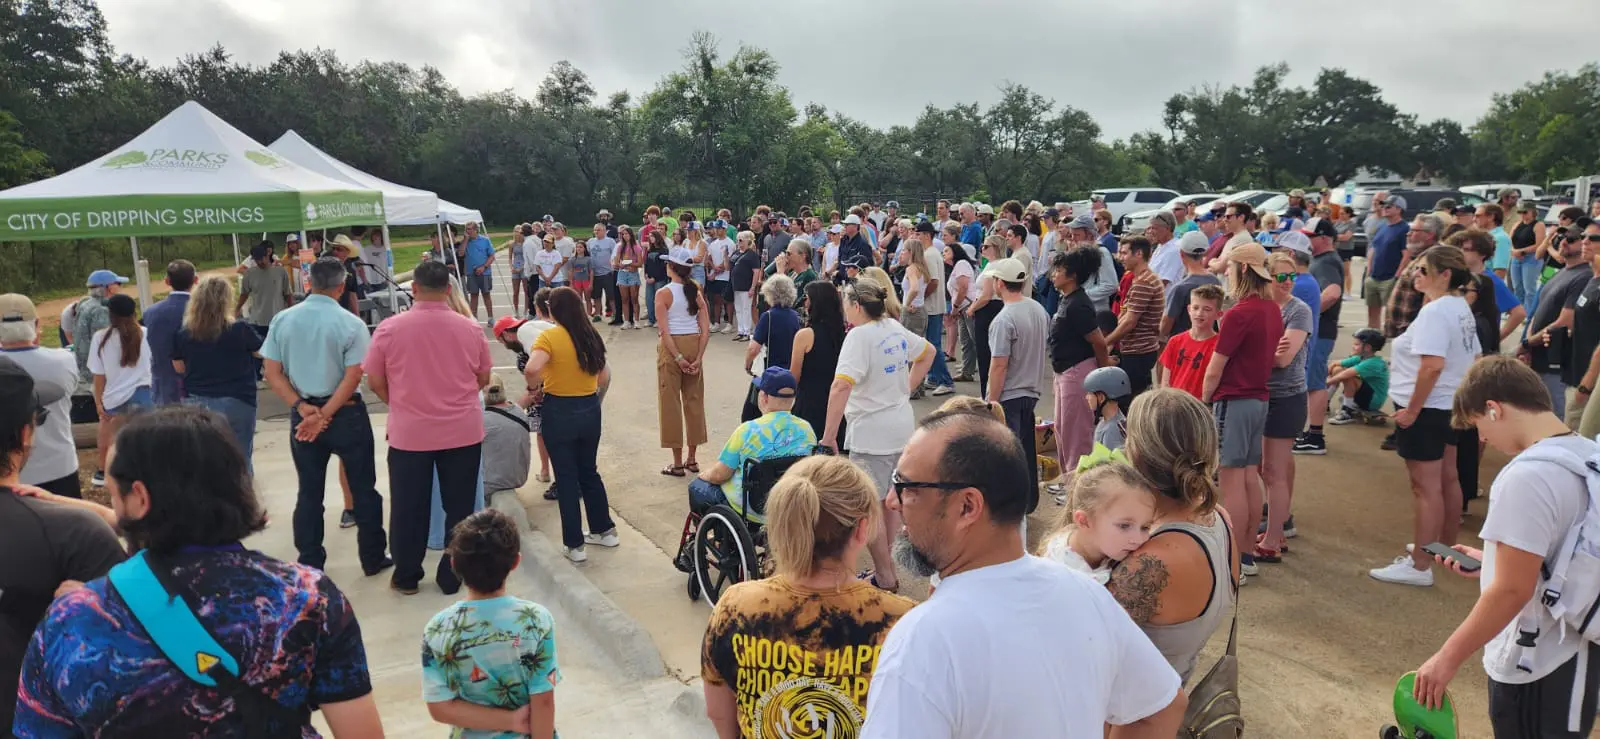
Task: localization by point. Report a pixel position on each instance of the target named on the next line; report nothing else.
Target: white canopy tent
(401, 204)
(190, 173)
(448, 213)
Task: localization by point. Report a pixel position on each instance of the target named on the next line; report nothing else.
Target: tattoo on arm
(1138, 586)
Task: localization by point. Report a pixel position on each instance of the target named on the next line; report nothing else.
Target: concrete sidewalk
(614, 683)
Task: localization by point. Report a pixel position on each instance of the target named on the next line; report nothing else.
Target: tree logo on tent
(311, 212)
(127, 159)
(377, 208)
(265, 158)
(188, 159)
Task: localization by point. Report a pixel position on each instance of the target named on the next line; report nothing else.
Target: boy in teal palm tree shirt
(489, 662)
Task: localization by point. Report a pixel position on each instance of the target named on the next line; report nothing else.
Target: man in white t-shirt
(1533, 503)
(567, 247)
(1008, 645)
(719, 290)
(374, 256)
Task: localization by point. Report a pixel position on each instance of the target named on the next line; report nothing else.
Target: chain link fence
(42, 269)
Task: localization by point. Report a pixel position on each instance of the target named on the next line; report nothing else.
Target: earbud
(1494, 415)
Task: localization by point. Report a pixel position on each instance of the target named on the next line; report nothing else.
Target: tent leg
(393, 287)
(236, 259)
(141, 274)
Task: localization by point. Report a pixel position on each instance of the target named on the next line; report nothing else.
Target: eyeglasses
(900, 484)
(1592, 237)
(1284, 277)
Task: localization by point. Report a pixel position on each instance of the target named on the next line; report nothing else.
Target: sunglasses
(1592, 237)
(1284, 277)
(900, 484)
(1422, 270)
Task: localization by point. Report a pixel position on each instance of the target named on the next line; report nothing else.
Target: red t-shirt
(1122, 291)
(1249, 339)
(1185, 360)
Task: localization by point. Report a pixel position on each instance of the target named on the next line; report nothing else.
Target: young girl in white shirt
(1110, 513)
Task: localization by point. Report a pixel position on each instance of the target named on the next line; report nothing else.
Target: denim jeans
(411, 487)
(436, 517)
(703, 495)
(241, 418)
(650, 288)
(571, 428)
(1524, 274)
(939, 373)
(348, 437)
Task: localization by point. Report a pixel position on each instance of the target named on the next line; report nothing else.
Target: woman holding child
(1178, 585)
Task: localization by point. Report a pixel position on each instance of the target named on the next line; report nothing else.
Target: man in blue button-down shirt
(313, 354)
(479, 278)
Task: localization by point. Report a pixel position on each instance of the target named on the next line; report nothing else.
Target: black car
(1419, 200)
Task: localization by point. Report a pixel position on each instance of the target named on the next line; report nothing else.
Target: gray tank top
(1181, 643)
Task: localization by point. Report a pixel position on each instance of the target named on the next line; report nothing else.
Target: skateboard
(1415, 721)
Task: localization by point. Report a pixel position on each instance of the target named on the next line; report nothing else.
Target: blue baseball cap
(692, 226)
(104, 277)
(1205, 217)
(777, 382)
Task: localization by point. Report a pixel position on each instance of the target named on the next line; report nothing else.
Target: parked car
(1121, 201)
(1491, 190)
(1137, 221)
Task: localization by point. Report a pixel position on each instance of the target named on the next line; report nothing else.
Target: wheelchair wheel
(724, 555)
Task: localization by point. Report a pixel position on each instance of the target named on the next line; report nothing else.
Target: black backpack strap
(520, 421)
(259, 712)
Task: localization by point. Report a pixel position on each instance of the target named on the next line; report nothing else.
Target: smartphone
(1468, 564)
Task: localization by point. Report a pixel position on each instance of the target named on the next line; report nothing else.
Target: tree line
(721, 129)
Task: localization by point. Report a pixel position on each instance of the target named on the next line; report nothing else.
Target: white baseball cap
(852, 220)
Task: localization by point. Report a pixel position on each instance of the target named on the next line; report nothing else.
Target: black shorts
(1286, 417)
(1538, 710)
(1426, 438)
(1346, 255)
(720, 288)
(1364, 398)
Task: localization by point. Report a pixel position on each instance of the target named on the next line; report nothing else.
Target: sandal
(872, 578)
(1270, 556)
(693, 467)
(674, 470)
(550, 493)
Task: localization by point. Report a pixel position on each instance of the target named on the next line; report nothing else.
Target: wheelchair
(722, 547)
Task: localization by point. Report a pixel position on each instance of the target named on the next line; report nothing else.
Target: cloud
(883, 61)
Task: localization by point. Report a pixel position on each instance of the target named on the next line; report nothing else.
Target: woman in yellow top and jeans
(567, 364)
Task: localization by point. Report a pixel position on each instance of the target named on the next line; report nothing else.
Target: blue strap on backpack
(161, 605)
(169, 622)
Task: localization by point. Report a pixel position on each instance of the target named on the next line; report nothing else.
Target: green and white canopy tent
(190, 173)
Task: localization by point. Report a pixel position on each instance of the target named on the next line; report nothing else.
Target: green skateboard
(1415, 721)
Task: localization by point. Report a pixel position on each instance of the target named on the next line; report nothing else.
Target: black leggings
(980, 338)
(1467, 464)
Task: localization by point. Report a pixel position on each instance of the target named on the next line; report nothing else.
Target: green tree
(18, 163)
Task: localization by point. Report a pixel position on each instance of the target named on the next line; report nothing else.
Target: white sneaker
(1401, 572)
(941, 390)
(607, 539)
(576, 554)
(633, 325)
(1249, 568)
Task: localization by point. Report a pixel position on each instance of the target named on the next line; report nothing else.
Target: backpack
(1571, 587)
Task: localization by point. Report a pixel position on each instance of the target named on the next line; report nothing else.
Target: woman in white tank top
(1179, 584)
(685, 331)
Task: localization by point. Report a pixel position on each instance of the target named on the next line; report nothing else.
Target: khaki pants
(681, 399)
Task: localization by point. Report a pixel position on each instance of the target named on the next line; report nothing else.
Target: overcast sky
(883, 60)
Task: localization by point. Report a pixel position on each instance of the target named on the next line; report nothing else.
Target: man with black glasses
(1064, 667)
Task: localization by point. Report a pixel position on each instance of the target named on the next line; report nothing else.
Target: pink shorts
(582, 286)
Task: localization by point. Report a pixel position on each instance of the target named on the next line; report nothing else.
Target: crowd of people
(1189, 363)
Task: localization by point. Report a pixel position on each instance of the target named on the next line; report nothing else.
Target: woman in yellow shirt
(567, 364)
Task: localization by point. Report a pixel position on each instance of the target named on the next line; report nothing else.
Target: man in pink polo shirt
(428, 364)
